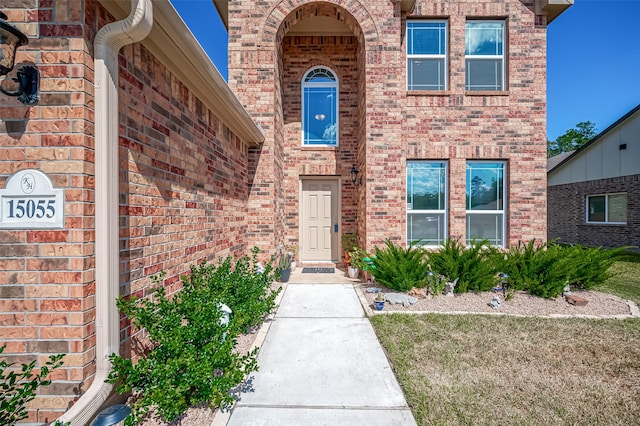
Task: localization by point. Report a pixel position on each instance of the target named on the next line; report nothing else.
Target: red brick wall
(395, 126)
(46, 276)
(183, 192)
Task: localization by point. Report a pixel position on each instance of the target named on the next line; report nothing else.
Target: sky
(593, 59)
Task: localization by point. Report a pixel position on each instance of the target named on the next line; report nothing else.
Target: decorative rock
(420, 293)
(403, 299)
(495, 302)
(374, 290)
(576, 300)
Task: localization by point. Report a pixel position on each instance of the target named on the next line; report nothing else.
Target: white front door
(319, 226)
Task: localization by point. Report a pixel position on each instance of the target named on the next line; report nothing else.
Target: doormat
(318, 270)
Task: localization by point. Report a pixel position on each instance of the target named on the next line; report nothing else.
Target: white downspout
(108, 42)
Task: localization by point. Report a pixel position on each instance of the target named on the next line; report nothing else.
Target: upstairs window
(319, 108)
(484, 56)
(427, 55)
(608, 208)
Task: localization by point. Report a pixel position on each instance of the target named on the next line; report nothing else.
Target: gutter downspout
(108, 42)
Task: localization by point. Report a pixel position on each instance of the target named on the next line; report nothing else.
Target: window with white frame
(484, 56)
(607, 208)
(486, 203)
(427, 202)
(427, 55)
(320, 107)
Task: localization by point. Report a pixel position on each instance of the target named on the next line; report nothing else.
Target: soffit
(320, 25)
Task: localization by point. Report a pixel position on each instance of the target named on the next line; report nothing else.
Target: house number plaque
(29, 201)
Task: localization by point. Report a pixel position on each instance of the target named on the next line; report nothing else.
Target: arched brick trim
(287, 13)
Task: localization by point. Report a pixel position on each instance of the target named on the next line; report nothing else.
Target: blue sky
(593, 58)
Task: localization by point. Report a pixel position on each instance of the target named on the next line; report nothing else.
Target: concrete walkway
(321, 364)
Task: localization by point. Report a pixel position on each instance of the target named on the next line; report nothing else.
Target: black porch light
(28, 79)
(355, 178)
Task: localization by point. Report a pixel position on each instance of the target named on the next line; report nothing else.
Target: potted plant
(349, 241)
(284, 266)
(378, 302)
(356, 261)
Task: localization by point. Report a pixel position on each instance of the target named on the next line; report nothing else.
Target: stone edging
(633, 308)
(221, 418)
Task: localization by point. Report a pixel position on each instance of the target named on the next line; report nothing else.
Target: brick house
(438, 109)
(594, 192)
(440, 106)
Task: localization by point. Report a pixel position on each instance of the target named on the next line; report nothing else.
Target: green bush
(191, 358)
(20, 386)
(474, 266)
(545, 269)
(399, 268)
(536, 267)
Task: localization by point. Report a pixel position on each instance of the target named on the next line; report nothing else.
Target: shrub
(545, 269)
(20, 386)
(589, 266)
(474, 266)
(400, 269)
(190, 358)
(536, 267)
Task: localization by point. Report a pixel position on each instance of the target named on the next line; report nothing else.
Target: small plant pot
(378, 304)
(293, 265)
(353, 272)
(285, 274)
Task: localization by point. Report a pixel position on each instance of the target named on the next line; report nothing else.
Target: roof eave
(554, 8)
(222, 6)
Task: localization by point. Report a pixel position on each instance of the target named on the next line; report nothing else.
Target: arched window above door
(320, 107)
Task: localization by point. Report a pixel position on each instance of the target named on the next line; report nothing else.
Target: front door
(319, 226)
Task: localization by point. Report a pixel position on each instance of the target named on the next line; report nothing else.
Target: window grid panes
(485, 200)
(484, 55)
(427, 55)
(427, 202)
(607, 208)
(320, 108)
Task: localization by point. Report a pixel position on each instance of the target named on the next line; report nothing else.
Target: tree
(572, 138)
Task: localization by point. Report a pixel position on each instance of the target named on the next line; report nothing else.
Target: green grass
(481, 370)
(625, 279)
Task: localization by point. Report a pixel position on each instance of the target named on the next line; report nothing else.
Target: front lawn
(474, 369)
(625, 281)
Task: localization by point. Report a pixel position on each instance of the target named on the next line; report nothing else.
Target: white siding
(604, 158)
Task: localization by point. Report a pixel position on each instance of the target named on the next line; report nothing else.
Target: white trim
(336, 86)
(606, 209)
(444, 56)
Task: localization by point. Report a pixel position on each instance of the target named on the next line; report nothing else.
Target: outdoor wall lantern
(355, 178)
(28, 78)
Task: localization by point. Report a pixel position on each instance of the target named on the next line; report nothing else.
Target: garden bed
(599, 304)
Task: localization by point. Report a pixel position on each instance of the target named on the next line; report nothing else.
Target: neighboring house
(437, 107)
(594, 192)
